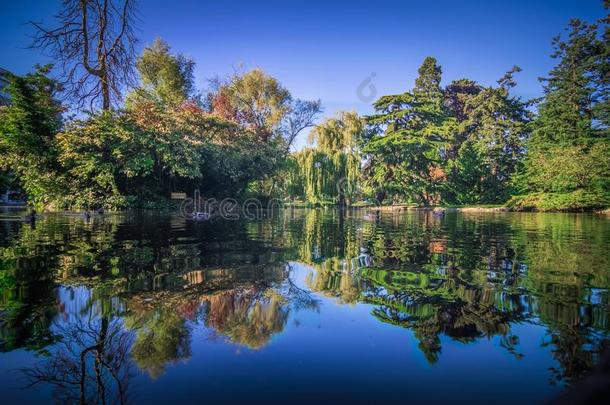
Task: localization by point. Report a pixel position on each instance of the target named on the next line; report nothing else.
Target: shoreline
(382, 208)
(468, 208)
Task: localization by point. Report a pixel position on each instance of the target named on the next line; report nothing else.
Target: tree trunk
(380, 196)
(105, 96)
(342, 200)
(105, 87)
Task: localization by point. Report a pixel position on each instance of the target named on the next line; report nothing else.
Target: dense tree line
(568, 160)
(166, 137)
(459, 143)
(465, 143)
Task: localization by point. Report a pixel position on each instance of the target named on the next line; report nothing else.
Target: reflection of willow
(90, 364)
(463, 275)
(326, 234)
(247, 317)
(336, 278)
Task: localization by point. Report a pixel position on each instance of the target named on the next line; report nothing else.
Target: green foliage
(409, 132)
(164, 78)
(28, 126)
(466, 176)
(568, 162)
(162, 142)
(330, 170)
(231, 167)
(162, 338)
(103, 155)
(578, 200)
(497, 125)
(572, 90)
(569, 168)
(488, 143)
(461, 144)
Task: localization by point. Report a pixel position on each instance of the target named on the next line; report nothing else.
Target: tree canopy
(436, 143)
(567, 165)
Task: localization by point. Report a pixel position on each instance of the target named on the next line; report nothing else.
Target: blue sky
(325, 49)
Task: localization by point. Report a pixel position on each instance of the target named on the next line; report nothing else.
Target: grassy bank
(454, 208)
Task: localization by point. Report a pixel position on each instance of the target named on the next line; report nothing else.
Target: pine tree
(410, 131)
(568, 162)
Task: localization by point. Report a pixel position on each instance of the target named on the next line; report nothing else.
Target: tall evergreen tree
(409, 131)
(498, 122)
(490, 136)
(568, 162)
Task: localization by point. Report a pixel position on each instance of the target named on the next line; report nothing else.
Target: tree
(192, 148)
(466, 175)
(331, 169)
(103, 156)
(261, 104)
(164, 78)
(572, 89)
(255, 100)
(429, 79)
(457, 96)
(234, 161)
(94, 44)
(425, 140)
(302, 115)
(409, 131)
(568, 163)
(28, 127)
(497, 125)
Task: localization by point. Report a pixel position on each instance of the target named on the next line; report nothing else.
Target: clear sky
(326, 49)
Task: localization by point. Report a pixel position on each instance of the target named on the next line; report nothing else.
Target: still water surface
(309, 305)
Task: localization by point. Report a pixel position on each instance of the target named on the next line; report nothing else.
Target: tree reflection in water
(247, 317)
(162, 337)
(91, 363)
(465, 280)
(250, 317)
(153, 281)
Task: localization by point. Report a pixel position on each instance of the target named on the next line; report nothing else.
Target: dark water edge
(305, 306)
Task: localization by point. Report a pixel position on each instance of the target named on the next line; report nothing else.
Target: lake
(303, 306)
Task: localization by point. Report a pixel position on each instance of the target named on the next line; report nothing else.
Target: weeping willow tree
(331, 168)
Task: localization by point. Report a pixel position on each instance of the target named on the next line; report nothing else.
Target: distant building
(4, 97)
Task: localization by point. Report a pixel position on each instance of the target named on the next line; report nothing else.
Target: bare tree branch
(86, 25)
(302, 115)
